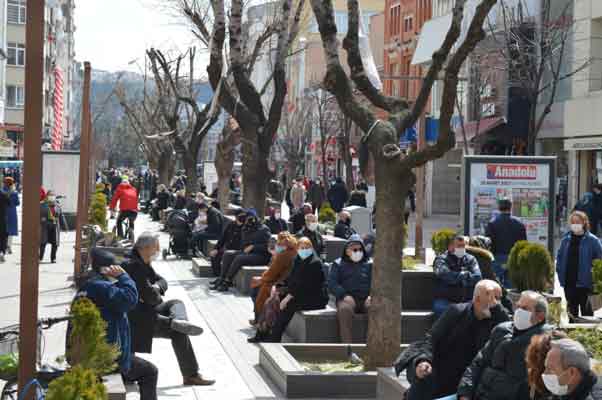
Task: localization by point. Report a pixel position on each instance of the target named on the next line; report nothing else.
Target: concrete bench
(242, 280)
(321, 326)
(389, 386)
(202, 268)
(115, 386)
(333, 247)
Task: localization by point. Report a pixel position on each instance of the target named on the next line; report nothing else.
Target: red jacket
(127, 196)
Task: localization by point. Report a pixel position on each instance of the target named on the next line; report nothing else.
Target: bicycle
(129, 227)
(44, 373)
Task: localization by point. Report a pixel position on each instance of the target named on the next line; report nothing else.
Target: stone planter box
(389, 386)
(333, 247)
(596, 301)
(321, 326)
(202, 268)
(242, 280)
(281, 362)
(417, 289)
(115, 387)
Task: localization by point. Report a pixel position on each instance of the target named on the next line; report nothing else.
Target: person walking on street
(597, 206)
(578, 249)
(50, 217)
(504, 231)
(298, 194)
(338, 195)
(12, 221)
(316, 195)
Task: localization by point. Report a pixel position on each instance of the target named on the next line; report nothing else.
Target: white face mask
(553, 385)
(522, 319)
(312, 227)
(460, 252)
(155, 257)
(357, 256)
(577, 229)
(51, 199)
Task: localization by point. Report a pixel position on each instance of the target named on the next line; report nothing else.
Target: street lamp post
(34, 106)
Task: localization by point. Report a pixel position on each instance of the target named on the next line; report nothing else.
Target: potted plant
(596, 297)
(441, 239)
(530, 267)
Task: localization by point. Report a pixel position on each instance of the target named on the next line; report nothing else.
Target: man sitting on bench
(349, 281)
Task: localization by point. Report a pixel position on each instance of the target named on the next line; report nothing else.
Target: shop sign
(583, 144)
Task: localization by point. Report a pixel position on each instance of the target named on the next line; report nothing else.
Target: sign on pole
(528, 181)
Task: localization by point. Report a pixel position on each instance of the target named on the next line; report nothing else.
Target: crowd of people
(480, 346)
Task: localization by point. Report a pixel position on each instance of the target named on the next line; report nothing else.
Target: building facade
(59, 73)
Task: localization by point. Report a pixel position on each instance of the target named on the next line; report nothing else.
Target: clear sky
(112, 33)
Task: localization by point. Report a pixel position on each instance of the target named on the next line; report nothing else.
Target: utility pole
(32, 181)
(84, 171)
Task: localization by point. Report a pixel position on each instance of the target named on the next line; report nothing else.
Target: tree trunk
(384, 319)
(349, 172)
(224, 163)
(255, 177)
(166, 168)
(192, 178)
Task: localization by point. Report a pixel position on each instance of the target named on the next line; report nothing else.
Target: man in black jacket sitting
(230, 240)
(310, 230)
(154, 317)
(499, 370)
(298, 219)
(254, 245)
(215, 224)
(343, 228)
(436, 365)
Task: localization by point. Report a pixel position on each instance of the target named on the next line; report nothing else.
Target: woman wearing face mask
(578, 249)
(310, 231)
(304, 288)
(50, 214)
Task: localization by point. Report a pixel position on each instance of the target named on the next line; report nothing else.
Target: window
(407, 24)
(16, 13)
(395, 82)
(341, 20)
(394, 24)
(15, 54)
(15, 96)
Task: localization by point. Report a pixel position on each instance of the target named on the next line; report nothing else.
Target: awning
(12, 127)
(485, 125)
(431, 38)
(586, 143)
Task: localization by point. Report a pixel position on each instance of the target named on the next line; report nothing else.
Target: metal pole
(420, 198)
(32, 181)
(84, 170)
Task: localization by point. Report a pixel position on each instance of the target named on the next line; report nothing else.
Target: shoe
(185, 327)
(215, 282)
(252, 322)
(52, 261)
(223, 287)
(198, 380)
(9, 250)
(255, 339)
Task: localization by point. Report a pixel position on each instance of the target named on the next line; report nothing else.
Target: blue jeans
(440, 306)
(499, 267)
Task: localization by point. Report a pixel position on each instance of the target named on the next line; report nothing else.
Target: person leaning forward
(155, 318)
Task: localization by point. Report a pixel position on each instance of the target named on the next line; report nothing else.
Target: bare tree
(295, 137)
(224, 160)
(393, 169)
(326, 117)
(240, 96)
(535, 46)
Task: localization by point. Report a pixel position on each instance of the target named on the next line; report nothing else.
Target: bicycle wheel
(9, 392)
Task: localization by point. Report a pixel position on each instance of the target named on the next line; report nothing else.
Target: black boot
(224, 286)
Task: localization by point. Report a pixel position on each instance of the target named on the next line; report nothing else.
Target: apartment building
(59, 68)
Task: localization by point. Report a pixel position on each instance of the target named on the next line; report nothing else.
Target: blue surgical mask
(279, 249)
(305, 253)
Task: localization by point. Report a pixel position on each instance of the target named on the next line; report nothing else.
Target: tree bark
(166, 168)
(224, 163)
(192, 178)
(255, 174)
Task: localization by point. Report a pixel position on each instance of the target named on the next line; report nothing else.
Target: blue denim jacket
(589, 250)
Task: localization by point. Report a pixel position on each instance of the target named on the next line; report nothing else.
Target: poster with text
(527, 185)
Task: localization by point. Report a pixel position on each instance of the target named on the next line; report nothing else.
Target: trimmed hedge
(441, 240)
(530, 267)
(327, 214)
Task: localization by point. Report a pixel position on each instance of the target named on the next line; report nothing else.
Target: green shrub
(77, 384)
(533, 268)
(97, 214)
(591, 339)
(512, 262)
(597, 276)
(441, 240)
(327, 214)
(87, 342)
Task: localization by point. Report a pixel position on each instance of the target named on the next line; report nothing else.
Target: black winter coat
(163, 200)
(231, 238)
(258, 237)
(504, 231)
(215, 221)
(338, 196)
(499, 371)
(306, 283)
(298, 220)
(450, 346)
(276, 225)
(343, 231)
(358, 198)
(151, 288)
